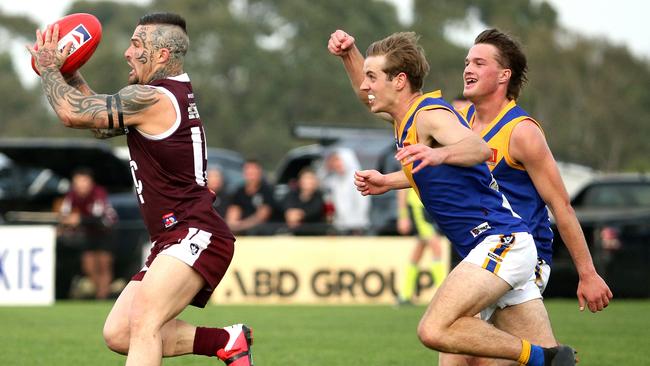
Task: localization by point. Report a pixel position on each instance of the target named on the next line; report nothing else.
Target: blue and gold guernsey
(514, 182)
(461, 200)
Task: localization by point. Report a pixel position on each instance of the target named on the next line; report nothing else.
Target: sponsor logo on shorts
(495, 257)
(78, 36)
(480, 229)
(194, 248)
(169, 220)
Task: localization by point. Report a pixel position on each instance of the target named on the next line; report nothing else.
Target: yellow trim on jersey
(496, 119)
(501, 140)
(411, 135)
(463, 111)
(505, 133)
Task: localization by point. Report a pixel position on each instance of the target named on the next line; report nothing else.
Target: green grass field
(69, 333)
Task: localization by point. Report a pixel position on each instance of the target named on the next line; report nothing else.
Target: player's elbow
(66, 118)
(70, 119)
(561, 209)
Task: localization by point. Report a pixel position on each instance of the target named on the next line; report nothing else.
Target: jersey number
(137, 183)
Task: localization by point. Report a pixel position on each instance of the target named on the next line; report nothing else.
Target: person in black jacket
(304, 206)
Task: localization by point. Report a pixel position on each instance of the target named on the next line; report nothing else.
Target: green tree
(259, 66)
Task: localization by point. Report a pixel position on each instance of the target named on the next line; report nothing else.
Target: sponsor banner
(322, 270)
(27, 265)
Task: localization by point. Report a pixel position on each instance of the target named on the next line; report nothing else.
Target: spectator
(217, 185)
(304, 206)
(252, 204)
(85, 219)
(351, 210)
(413, 217)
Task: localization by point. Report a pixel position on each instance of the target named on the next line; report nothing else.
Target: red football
(85, 32)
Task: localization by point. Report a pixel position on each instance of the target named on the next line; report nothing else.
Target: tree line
(260, 66)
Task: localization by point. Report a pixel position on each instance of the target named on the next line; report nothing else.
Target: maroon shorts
(208, 254)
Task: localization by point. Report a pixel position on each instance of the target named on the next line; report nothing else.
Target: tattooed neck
(168, 70)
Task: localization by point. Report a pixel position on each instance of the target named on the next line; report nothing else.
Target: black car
(614, 213)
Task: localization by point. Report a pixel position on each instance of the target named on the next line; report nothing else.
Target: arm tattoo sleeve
(105, 133)
(68, 101)
(98, 110)
(135, 99)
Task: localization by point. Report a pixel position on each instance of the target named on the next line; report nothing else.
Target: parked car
(37, 171)
(614, 213)
(373, 147)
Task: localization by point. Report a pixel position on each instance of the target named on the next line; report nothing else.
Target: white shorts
(533, 289)
(511, 257)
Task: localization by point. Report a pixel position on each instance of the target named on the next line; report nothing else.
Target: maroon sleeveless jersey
(169, 171)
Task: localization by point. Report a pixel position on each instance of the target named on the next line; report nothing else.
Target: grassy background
(69, 333)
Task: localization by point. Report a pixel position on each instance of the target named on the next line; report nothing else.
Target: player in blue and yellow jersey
(444, 162)
(524, 167)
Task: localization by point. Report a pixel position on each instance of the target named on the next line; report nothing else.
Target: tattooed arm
(79, 107)
(77, 81)
(77, 110)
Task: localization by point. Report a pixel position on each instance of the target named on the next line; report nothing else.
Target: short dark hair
(163, 18)
(510, 56)
(83, 170)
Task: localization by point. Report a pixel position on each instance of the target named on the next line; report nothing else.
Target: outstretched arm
(343, 45)
(528, 146)
(372, 182)
(76, 105)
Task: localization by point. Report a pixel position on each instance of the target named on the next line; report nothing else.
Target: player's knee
(116, 337)
(432, 337)
(143, 318)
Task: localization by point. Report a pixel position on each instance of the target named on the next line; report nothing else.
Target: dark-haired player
(522, 163)
(192, 246)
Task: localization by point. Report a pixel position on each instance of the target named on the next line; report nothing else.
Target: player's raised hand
(46, 52)
(340, 43)
(593, 292)
(370, 182)
(427, 156)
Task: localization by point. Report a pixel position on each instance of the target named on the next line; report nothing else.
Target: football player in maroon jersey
(192, 246)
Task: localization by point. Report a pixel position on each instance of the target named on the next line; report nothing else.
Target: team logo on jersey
(194, 248)
(78, 36)
(169, 220)
(493, 158)
(480, 229)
